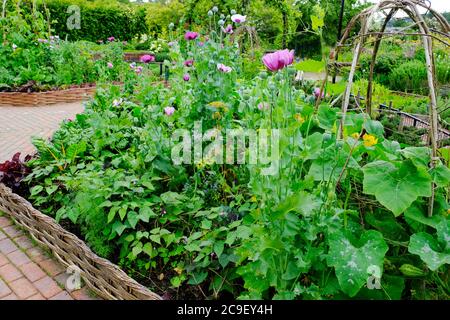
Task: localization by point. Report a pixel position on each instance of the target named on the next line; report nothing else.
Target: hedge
(99, 20)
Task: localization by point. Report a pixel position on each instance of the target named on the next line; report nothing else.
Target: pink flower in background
(229, 29)
(138, 69)
(133, 65)
(201, 44)
(186, 77)
(146, 58)
(190, 35)
(111, 39)
(172, 43)
(42, 40)
(110, 65)
(317, 93)
(169, 111)
(237, 18)
(263, 105)
(189, 63)
(223, 68)
(278, 60)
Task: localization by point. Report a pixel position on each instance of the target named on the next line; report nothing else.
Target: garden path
(19, 124)
(26, 271)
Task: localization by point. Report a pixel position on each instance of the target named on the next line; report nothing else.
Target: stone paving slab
(19, 124)
(29, 273)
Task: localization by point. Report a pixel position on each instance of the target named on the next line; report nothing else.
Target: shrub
(99, 20)
(409, 77)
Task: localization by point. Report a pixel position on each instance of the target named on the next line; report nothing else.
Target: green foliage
(325, 222)
(99, 20)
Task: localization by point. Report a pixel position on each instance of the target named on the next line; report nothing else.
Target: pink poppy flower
(138, 69)
(263, 105)
(190, 35)
(186, 77)
(189, 63)
(111, 39)
(229, 29)
(169, 111)
(278, 60)
(146, 58)
(237, 18)
(223, 68)
(317, 93)
(110, 65)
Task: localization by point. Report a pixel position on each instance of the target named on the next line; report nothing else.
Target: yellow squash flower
(369, 140)
(299, 118)
(355, 135)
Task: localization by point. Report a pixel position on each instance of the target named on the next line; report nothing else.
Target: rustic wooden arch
(389, 8)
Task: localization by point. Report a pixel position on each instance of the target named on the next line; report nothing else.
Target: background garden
(350, 199)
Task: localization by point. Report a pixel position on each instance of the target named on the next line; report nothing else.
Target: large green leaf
(396, 187)
(441, 176)
(429, 250)
(352, 261)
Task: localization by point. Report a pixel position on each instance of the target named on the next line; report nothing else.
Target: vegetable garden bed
(104, 278)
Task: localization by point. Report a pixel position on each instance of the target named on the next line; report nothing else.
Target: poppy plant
(223, 68)
(278, 60)
(146, 58)
(169, 111)
(190, 35)
(238, 18)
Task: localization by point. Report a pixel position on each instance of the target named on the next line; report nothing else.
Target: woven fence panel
(103, 277)
(32, 99)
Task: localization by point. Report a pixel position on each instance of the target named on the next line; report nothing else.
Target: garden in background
(225, 172)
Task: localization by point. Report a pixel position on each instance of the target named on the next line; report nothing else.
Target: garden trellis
(389, 8)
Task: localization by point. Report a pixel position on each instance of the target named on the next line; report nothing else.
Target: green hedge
(99, 20)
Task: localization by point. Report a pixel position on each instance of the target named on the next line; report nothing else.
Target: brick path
(27, 272)
(19, 124)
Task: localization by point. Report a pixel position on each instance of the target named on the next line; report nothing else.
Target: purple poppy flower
(238, 18)
(263, 106)
(186, 77)
(111, 39)
(169, 111)
(138, 69)
(223, 68)
(146, 58)
(229, 29)
(190, 35)
(318, 93)
(278, 60)
(189, 63)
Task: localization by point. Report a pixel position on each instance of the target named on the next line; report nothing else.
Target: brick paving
(29, 273)
(19, 124)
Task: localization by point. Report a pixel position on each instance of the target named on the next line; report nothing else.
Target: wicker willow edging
(25, 99)
(103, 277)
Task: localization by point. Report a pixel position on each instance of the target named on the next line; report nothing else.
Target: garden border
(33, 99)
(106, 279)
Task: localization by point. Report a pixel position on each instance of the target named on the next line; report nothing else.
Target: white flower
(233, 12)
(14, 47)
(215, 9)
(237, 18)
